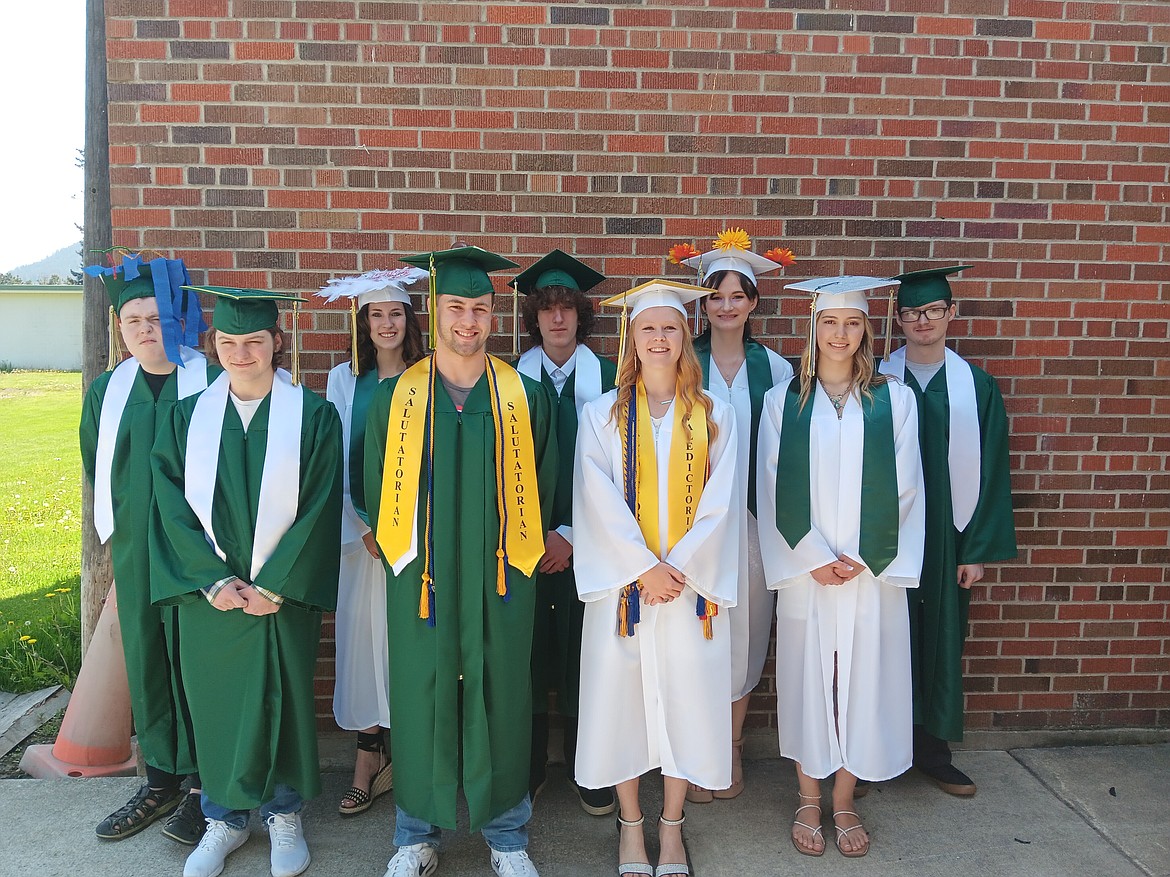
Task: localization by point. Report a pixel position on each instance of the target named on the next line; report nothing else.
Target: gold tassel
(622, 334)
(712, 611)
(115, 350)
(296, 344)
(624, 613)
(515, 322)
(353, 330)
(432, 296)
(501, 576)
(812, 335)
(889, 323)
(424, 602)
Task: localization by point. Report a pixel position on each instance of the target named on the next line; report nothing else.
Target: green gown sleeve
(182, 559)
(991, 533)
(305, 565)
(91, 412)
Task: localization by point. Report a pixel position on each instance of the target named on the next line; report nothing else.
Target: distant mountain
(60, 263)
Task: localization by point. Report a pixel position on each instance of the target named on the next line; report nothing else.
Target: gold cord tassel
(432, 296)
(712, 611)
(296, 344)
(353, 330)
(115, 349)
(515, 322)
(622, 334)
(424, 600)
(812, 335)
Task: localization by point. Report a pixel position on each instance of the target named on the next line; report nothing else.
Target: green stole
(363, 391)
(878, 544)
(759, 373)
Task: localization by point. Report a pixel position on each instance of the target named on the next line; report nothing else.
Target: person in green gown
(460, 468)
(246, 543)
(558, 316)
(963, 431)
(123, 411)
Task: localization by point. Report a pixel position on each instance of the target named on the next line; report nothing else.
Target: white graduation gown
(751, 617)
(863, 623)
(361, 692)
(658, 698)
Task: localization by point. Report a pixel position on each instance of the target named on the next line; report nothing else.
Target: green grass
(40, 527)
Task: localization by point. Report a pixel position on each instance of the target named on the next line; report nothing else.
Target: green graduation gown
(556, 635)
(157, 700)
(938, 607)
(480, 741)
(249, 679)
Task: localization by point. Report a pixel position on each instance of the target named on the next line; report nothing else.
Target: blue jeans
(506, 833)
(286, 800)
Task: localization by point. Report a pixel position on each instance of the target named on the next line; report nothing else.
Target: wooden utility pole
(95, 558)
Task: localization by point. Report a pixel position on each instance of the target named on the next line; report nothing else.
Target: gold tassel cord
(296, 344)
(353, 333)
(622, 334)
(515, 322)
(812, 335)
(889, 323)
(432, 295)
(115, 350)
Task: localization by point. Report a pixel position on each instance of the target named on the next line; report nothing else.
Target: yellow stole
(410, 439)
(687, 470)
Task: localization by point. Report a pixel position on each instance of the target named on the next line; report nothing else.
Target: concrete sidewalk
(1098, 810)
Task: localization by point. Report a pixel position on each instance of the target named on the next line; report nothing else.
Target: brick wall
(277, 143)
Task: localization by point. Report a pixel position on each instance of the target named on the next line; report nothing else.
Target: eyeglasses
(913, 315)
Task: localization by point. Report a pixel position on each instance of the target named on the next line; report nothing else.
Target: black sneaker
(950, 779)
(595, 802)
(186, 825)
(145, 807)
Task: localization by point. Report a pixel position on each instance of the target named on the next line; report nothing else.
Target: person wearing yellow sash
(658, 514)
(841, 511)
(460, 468)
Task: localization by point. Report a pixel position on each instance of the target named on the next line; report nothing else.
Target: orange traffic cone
(94, 740)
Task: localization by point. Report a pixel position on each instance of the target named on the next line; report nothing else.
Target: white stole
(964, 439)
(192, 377)
(587, 380)
(280, 480)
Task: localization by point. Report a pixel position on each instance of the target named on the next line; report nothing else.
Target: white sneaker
(290, 853)
(515, 864)
(217, 843)
(416, 860)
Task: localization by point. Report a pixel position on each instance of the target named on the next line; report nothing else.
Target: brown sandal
(818, 830)
(844, 832)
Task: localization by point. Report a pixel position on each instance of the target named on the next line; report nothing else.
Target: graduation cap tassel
(296, 344)
(889, 323)
(622, 335)
(353, 333)
(515, 323)
(698, 301)
(432, 297)
(115, 350)
(812, 335)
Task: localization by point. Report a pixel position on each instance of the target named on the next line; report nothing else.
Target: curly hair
(688, 386)
(551, 296)
(745, 283)
(413, 348)
(865, 376)
(278, 346)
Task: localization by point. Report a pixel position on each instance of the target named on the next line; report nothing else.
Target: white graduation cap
(847, 291)
(653, 294)
(746, 262)
(373, 287)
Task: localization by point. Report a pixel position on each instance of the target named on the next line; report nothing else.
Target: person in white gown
(657, 515)
(740, 370)
(386, 339)
(842, 519)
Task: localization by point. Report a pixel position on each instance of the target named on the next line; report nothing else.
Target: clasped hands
(840, 571)
(238, 594)
(661, 584)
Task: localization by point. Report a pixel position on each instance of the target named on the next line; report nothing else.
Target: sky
(43, 105)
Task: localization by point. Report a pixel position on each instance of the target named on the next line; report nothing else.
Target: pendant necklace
(838, 399)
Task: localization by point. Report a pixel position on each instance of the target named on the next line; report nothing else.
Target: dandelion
(25, 638)
(64, 590)
(50, 595)
(31, 641)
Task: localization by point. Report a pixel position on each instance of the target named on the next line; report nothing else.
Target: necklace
(838, 399)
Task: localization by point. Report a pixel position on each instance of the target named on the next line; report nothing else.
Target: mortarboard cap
(848, 291)
(244, 311)
(373, 287)
(922, 287)
(558, 268)
(658, 293)
(745, 262)
(462, 271)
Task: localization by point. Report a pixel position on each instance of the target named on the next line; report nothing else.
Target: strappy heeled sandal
(628, 868)
(359, 800)
(816, 831)
(844, 832)
(664, 870)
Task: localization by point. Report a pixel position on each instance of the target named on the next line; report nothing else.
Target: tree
(7, 279)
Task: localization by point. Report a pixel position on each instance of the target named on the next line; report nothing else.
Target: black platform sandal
(380, 783)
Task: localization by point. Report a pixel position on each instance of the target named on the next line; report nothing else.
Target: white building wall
(40, 327)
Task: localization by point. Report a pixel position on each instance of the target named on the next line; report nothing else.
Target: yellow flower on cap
(732, 239)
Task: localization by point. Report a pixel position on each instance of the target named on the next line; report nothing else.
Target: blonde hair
(688, 383)
(865, 375)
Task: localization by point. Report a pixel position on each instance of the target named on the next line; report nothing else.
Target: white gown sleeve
(708, 554)
(905, 569)
(339, 390)
(783, 565)
(609, 551)
(781, 369)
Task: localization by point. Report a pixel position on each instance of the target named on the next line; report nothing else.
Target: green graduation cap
(120, 291)
(462, 271)
(244, 311)
(558, 268)
(922, 287)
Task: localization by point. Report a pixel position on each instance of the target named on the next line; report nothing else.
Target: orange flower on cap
(681, 252)
(732, 239)
(781, 256)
